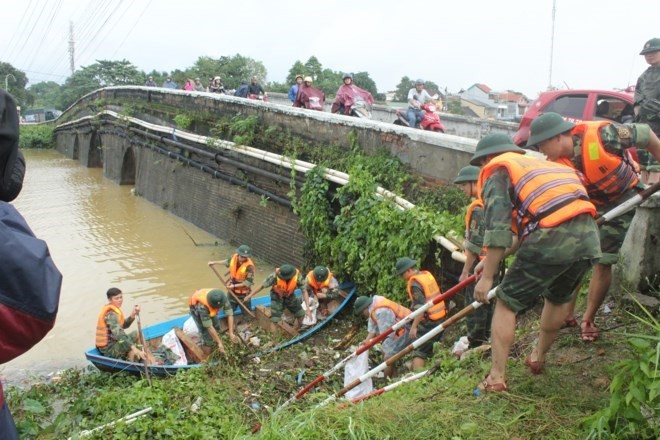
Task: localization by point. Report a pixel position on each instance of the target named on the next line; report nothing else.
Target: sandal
(494, 387)
(588, 331)
(536, 367)
(570, 322)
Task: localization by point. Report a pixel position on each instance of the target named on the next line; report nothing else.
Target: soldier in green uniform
(598, 151)
(111, 339)
(647, 105)
(322, 284)
(204, 306)
(478, 322)
(284, 281)
(558, 240)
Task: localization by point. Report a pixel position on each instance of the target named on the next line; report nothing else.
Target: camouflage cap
(546, 127)
(286, 272)
(493, 144)
(403, 264)
(244, 251)
(469, 173)
(361, 303)
(321, 273)
(216, 298)
(653, 45)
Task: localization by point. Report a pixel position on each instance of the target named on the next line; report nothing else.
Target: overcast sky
(504, 44)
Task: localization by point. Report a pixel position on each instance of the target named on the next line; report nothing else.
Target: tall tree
(363, 80)
(298, 68)
(46, 93)
(16, 81)
(402, 89)
(313, 68)
(232, 69)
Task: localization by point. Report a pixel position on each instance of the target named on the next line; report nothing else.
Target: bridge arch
(128, 168)
(95, 156)
(76, 148)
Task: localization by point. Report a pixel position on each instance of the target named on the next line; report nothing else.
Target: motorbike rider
(417, 97)
(347, 94)
(216, 86)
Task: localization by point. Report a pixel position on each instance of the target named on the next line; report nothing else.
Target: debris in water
(196, 404)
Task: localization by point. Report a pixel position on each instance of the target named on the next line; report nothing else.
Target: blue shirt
(293, 92)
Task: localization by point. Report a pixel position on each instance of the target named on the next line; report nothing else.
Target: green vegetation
(36, 136)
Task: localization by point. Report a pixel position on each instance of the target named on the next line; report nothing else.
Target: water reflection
(101, 235)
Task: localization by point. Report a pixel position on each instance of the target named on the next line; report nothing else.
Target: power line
(53, 14)
(31, 31)
(19, 26)
(132, 28)
(21, 32)
(98, 32)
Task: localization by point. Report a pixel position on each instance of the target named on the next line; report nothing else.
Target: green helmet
(469, 173)
(361, 303)
(321, 273)
(403, 264)
(216, 298)
(244, 251)
(653, 45)
(546, 127)
(493, 144)
(286, 272)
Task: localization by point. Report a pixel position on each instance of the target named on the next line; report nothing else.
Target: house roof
(483, 87)
(479, 102)
(510, 96)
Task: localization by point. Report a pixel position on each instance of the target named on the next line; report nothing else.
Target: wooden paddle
(240, 303)
(144, 348)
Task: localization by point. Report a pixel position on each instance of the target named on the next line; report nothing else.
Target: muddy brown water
(100, 235)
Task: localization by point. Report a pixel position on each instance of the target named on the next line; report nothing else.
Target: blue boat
(105, 363)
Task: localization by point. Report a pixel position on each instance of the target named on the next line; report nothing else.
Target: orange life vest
(545, 194)
(238, 274)
(316, 286)
(605, 175)
(201, 296)
(102, 330)
(285, 288)
(399, 311)
(468, 219)
(431, 291)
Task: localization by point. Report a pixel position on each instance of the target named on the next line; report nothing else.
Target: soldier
(382, 314)
(422, 288)
(241, 274)
(478, 322)
(598, 150)
(204, 306)
(647, 105)
(321, 283)
(111, 340)
(546, 205)
(284, 282)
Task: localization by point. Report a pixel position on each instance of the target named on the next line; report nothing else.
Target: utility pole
(72, 43)
(552, 43)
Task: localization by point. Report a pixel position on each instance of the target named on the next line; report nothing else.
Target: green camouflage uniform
(203, 319)
(616, 139)
(278, 304)
(550, 261)
(249, 281)
(647, 96)
(333, 289)
(478, 322)
(424, 351)
(119, 343)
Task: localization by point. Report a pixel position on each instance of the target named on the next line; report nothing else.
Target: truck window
(611, 108)
(570, 106)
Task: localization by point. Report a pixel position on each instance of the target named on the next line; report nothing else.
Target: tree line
(232, 70)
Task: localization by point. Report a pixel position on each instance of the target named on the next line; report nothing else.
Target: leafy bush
(36, 136)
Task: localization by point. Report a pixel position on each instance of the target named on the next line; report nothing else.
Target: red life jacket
(431, 291)
(102, 330)
(238, 274)
(285, 288)
(606, 176)
(546, 194)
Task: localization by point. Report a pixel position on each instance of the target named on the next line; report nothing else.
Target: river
(100, 235)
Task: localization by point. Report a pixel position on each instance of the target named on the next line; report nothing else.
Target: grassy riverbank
(236, 395)
(36, 136)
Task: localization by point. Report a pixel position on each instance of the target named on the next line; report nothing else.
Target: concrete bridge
(233, 191)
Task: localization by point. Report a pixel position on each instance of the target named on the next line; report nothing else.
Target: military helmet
(361, 303)
(321, 273)
(469, 173)
(653, 45)
(216, 298)
(493, 144)
(404, 263)
(347, 75)
(286, 272)
(244, 251)
(546, 127)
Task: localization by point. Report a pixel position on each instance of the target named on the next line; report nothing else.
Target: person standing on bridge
(198, 86)
(647, 105)
(169, 84)
(150, 82)
(547, 206)
(598, 150)
(293, 91)
(254, 88)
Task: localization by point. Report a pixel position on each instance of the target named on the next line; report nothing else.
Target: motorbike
(261, 98)
(430, 120)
